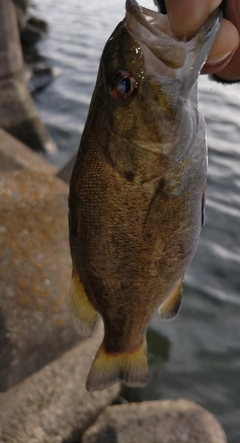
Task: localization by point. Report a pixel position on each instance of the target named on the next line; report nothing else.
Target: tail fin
(82, 311)
(107, 369)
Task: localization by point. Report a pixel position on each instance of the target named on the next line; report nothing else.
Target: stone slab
(21, 12)
(35, 274)
(15, 155)
(11, 60)
(19, 115)
(163, 421)
(53, 406)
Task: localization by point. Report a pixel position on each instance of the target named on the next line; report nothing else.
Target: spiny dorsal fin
(82, 311)
(170, 307)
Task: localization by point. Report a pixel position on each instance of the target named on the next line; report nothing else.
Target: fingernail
(219, 59)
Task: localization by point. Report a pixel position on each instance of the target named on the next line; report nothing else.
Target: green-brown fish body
(137, 189)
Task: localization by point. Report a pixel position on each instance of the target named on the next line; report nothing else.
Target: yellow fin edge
(109, 368)
(170, 307)
(82, 311)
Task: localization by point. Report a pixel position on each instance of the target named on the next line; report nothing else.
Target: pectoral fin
(83, 313)
(170, 307)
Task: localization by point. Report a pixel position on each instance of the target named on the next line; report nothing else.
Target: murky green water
(197, 356)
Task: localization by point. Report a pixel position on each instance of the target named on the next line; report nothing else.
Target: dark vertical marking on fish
(203, 205)
(129, 176)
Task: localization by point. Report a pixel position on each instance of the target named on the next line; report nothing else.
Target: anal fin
(109, 368)
(170, 307)
(82, 311)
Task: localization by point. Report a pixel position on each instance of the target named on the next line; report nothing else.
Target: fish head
(146, 77)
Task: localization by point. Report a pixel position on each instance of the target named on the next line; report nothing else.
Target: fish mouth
(153, 21)
(152, 31)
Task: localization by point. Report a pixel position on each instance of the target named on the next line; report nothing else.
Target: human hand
(186, 16)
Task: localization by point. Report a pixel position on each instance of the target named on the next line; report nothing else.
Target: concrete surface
(15, 155)
(35, 274)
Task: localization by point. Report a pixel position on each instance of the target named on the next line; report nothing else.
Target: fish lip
(151, 29)
(139, 13)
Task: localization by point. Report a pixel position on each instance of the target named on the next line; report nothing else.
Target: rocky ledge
(18, 113)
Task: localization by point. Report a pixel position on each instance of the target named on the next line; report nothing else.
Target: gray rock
(18, 113)
(53, 406)
(15, 155)
(66, 171)
(41, 76)
(11, 60)
(21, 12)
(35, 274)
(163, 421)
(38, 24)
(31, 34)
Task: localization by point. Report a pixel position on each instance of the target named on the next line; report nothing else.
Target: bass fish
(136, 201)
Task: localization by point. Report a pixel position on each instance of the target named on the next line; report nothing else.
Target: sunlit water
(197, 356)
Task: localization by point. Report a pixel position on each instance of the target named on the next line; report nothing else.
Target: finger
(225, 46)
(232, 12)
(186, 16)
(231, 71)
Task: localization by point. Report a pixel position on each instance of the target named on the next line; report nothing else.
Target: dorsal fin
(170, 307)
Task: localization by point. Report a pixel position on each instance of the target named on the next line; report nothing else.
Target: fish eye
(123, 85)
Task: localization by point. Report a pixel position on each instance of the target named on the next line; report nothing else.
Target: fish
(137, 190)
